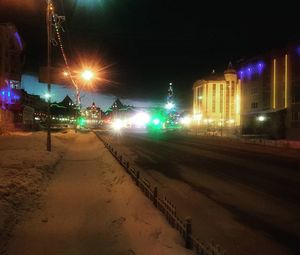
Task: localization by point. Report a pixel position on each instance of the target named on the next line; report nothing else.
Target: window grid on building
(295, 116)
(214, 92)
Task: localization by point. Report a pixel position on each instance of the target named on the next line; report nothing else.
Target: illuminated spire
(170, 96)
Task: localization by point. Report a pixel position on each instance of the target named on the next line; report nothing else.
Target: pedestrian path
(92, 207)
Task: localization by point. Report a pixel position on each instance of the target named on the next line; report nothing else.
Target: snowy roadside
(25, 168)
(91, 206)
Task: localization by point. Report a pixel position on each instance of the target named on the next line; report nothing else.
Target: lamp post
(49, 35)
(87, 75)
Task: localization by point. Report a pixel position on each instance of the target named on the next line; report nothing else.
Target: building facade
(216, 100)
(11, 61)
(11, 55)
(271, 94)
(93, 116)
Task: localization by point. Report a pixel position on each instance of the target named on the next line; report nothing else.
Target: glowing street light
(47, 96)
(186, 120)
(261, 118)
(117, 125)
(87, 75)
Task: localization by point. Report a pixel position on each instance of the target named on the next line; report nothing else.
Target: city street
(149, 128)
(244, 197)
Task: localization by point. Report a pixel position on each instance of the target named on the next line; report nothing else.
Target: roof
(117, 104)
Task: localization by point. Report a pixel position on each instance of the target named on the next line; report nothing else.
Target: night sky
(149, 43)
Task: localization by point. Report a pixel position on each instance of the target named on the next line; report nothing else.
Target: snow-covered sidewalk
(25, 169)
(92, 207)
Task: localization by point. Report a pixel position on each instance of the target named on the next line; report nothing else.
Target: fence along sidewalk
(166, 207)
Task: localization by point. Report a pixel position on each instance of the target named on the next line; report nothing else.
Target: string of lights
(57, 26)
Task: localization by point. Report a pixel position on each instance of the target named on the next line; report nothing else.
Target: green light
(158, 118)
(156, 121)
(81, 121)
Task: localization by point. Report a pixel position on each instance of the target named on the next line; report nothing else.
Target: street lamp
(49, 9)
(47, 96)
(87, 75)
(260, 120)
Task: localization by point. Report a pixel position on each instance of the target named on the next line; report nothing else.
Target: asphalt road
(244, 197)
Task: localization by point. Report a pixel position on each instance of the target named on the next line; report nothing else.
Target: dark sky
(149, 43)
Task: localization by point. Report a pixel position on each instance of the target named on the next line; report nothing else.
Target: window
(254, 90)
(254, 105)
(295, 116)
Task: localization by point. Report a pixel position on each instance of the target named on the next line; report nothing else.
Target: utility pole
(49, 36)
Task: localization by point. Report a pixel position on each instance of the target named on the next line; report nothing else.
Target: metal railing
(166, 207)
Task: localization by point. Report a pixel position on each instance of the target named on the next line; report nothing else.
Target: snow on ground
(25, 166)
(91, 206)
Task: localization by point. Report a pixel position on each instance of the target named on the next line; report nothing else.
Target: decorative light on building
(18, 38)
(8, 97)
(251, 70)
(274, 83)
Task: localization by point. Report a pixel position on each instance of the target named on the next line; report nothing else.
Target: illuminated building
(216, 100)
(93, 115)
(64, 111)
(118, 110)
(271, 88)
(11, 56)
(11, 60)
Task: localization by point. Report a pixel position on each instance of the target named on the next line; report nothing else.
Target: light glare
(169, 106)
(87, 75)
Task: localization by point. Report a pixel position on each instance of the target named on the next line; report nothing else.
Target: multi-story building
(11, 59)
(271, 94)
(93, 115)
(216, 100)
(11, 55)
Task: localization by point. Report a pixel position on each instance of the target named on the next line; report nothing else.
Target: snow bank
(25, 167)
(134, 216)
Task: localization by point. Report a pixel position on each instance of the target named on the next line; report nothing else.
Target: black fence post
(137, 178)
(155, 191)
(127, 166)
(188, 233)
